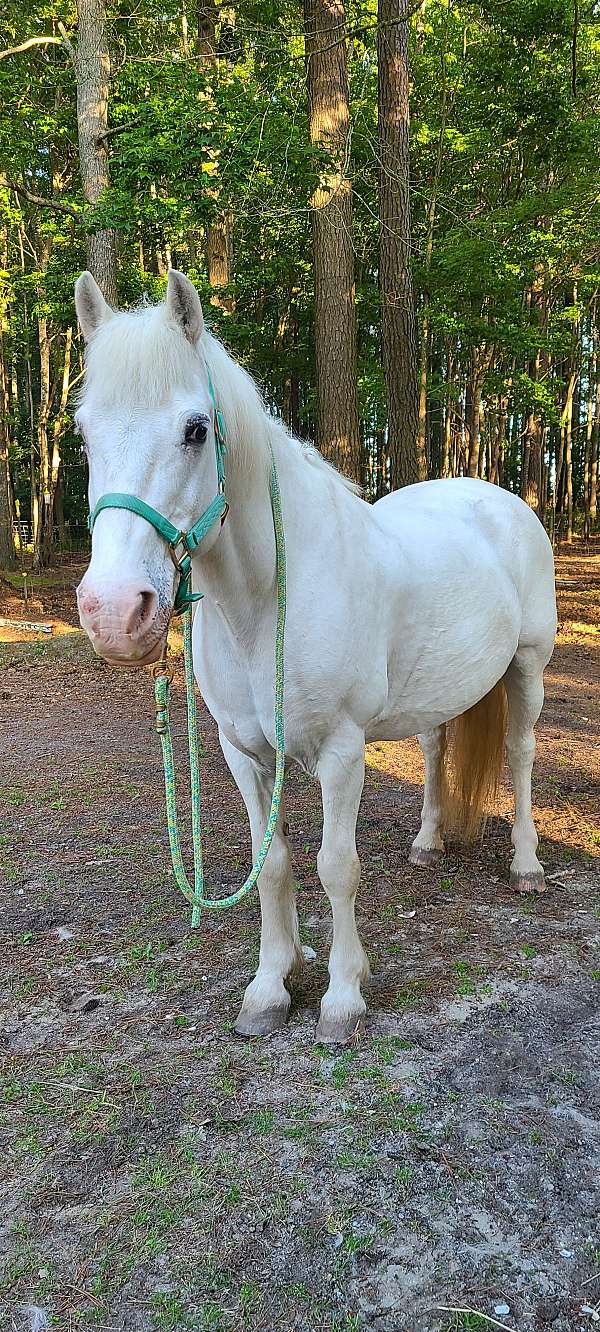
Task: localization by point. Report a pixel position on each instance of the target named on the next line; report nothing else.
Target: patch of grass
(168, 1311)
(408, 995)
(472, 1321)
(467, 973)
(262, 1122)
(386, 1047)
(404, 1177)
(342, 1069)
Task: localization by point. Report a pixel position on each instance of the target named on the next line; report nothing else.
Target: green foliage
(505, 140)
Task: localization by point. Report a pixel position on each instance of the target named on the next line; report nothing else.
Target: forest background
(390, 211)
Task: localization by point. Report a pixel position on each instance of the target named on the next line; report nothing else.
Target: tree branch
(31, 41)
(118, 129)
(44, 203)
(67, 41)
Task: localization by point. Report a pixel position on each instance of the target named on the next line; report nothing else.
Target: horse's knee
(278, 864)
(339, 870)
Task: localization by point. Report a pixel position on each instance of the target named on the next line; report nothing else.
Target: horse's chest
(231, 692)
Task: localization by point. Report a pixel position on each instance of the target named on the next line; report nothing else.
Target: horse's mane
(139, 357)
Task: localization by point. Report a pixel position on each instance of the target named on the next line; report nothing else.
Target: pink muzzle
(123, 621)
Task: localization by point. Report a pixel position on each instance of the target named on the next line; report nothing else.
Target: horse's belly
(447, 663)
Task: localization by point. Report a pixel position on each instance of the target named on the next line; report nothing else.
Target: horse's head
(147, 421)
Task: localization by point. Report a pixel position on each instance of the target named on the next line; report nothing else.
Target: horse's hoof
(340, 1031)
(261, 1023)
(533, 882)
(425, 856)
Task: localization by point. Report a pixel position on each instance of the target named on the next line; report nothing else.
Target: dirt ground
(158, 1173)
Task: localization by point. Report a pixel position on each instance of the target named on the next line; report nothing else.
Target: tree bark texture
(92, 68)
(337, 426)
(219, 234)
(398, 322)
(7, 545)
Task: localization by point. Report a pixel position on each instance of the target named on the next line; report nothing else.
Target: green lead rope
(162, 693)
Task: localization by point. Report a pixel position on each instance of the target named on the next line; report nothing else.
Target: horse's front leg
(428, 846)
(267, 1001)
(341, 772)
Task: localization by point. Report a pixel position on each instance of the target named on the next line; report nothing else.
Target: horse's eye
(196, 430)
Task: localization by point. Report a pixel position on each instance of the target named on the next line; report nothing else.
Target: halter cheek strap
(181, 545)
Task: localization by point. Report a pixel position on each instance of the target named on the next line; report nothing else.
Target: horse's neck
(238, 575)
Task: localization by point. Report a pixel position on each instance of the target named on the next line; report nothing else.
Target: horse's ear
(92, 309)
(183, 306)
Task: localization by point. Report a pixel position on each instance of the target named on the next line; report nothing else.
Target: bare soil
(158, 1173)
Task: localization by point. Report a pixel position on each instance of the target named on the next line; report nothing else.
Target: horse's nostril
(88, 603)
(147, 606)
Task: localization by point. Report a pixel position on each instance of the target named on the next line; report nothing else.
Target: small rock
(63, 933)
(548, 1310)
(338, 1241)
(308, 953)
(502, 1310)
(566, 1253)
(85, 1003)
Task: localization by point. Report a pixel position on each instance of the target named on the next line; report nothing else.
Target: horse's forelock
(138, 358)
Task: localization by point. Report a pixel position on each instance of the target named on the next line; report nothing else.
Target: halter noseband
(181, 545)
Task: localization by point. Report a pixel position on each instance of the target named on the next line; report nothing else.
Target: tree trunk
(219, 243)
(7, 545)
(499, 441)
(40, 542)
(398, 323)
(218, 260)
(431, 212)
(472, 412)
(592, 502)
(337, 427)
(55, 459)
(92, 68)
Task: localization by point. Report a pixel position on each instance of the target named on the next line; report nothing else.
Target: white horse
(402, 615)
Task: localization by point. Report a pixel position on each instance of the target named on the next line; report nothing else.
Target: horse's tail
(472, 764)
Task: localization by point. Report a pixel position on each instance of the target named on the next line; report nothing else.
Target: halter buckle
(180, 540)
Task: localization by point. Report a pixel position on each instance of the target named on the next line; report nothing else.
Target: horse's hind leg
(525, 693)
(341, 771)
(267, 1001)
(428, 846)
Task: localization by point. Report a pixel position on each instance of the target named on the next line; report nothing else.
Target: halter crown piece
(182, 546)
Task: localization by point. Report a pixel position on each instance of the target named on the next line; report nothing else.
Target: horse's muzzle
(125, 624)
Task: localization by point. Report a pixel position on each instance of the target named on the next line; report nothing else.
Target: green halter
(182, 545)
